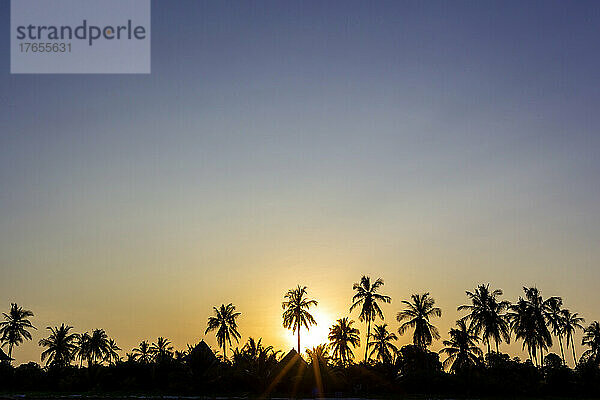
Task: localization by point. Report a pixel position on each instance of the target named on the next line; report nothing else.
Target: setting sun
(316, 335)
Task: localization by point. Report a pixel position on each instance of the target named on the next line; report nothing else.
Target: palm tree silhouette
(295, 313)
(257, 353)
(382, 344)
(461, 349)
(342, 337)
(142, 353)
(112, 355)
(254, 349)
(319, 355)
(555, 319)
(82, 350)
(97, 346)
(224, 322)
(528, 322)
(162, 350)
(61, 346)
(537, 307)
(15, 327)
(571, 322)
(366, 297)
(256, 360)
(180, 355)
(523, 325)
(417, 315)
(487, 315)
(591, 338)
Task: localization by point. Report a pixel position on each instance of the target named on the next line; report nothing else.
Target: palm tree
(487, 315)
(537, 308)
(555, 320)
(82, 350)
(224, 322)
(572, 322)
(319, 363)
(255, 351)
(112, 355)
(256, 362)
(461, 349)
(162, 349)
(591, 338)
(180, 356)
(98, 346)
(523, 325)
(129, 358)
(382, 344)
(142, 353)
(61, 346)
(295, 313)
(254, 348)
(528, 321)
(15, 327)
(366, 297)
(319, 355)
(417, 315)
(342, 336)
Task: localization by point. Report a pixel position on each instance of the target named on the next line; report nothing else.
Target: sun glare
(315, 336)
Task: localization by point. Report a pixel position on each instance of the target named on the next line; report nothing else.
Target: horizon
(437, 146)
(316, 334)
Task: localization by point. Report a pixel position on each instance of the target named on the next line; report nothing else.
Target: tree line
(488, 320)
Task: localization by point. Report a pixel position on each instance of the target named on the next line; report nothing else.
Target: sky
(437, 145)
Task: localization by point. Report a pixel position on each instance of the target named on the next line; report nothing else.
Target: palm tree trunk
(497, 351)
(488, 346)
(10, 347)
(573, 347)
(224, 352)
(562, 352)
(299, 340)
(368, 335)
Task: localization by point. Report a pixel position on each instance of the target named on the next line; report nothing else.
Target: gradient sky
(437, 145)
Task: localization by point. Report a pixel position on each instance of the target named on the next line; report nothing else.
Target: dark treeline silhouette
(469, 363)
